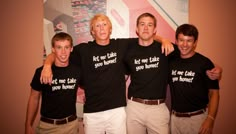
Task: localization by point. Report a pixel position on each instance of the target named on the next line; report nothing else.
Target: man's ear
(71, 49)
(53, 50)
(92, 32)
(155, 31)
(136, 31)
(195, 43)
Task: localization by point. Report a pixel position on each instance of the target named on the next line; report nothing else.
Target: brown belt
(188, 114)
(148, 102)
(59, 121)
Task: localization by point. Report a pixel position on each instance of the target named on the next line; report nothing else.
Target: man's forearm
(213, 105)
(49, 59)
(32, 108)
(167, 47)
(46, 74)
(159, 38)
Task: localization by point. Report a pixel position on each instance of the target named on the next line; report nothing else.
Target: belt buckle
(173, 112)
(145, 101)
(62, 121)
(189, 114)
(59, 121)
(55, 122)
(131, 98)
(154, 102)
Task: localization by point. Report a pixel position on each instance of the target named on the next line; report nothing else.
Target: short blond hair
(99, 17)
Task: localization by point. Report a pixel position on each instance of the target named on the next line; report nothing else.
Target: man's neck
(188, 56)
(60, 64)
(145, 42)
(103, 42)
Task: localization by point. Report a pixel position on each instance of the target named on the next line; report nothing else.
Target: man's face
(146, 28)
(62, 49)
(101, 30)
(186, 45)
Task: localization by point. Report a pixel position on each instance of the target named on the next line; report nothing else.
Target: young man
(58, 100)
(195, 98)
(148, 70)
(103, 77)
(101, 63)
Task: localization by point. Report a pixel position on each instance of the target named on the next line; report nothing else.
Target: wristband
(211, 117)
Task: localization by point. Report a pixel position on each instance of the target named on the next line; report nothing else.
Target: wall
(21, 52)
(216, 22)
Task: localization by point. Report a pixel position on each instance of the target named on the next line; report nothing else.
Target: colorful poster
(72, 16)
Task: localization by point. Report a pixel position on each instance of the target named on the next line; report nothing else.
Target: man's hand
(167, 47)
(214, 73)
(80, 96)
(207, 126)
(29, 130)
(46, 75)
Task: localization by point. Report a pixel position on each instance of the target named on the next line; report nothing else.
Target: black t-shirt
(148, 70)
(103, 74)
(189, 83)
(59, 98)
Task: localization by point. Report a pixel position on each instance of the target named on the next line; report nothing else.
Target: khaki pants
(187, 125)
(143, 118)
(47, 128)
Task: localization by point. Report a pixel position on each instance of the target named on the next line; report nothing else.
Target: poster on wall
(73, 16)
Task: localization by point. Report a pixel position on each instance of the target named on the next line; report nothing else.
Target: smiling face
(186, 45)
(62, 49)
(186, 38)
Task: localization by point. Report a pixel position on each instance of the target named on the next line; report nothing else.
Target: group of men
(102, 67)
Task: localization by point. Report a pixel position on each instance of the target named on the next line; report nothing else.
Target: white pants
(110, 122)
(143, 118)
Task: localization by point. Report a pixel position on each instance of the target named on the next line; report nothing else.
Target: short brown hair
(61, 36)
(187, 30)
(147, 15)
